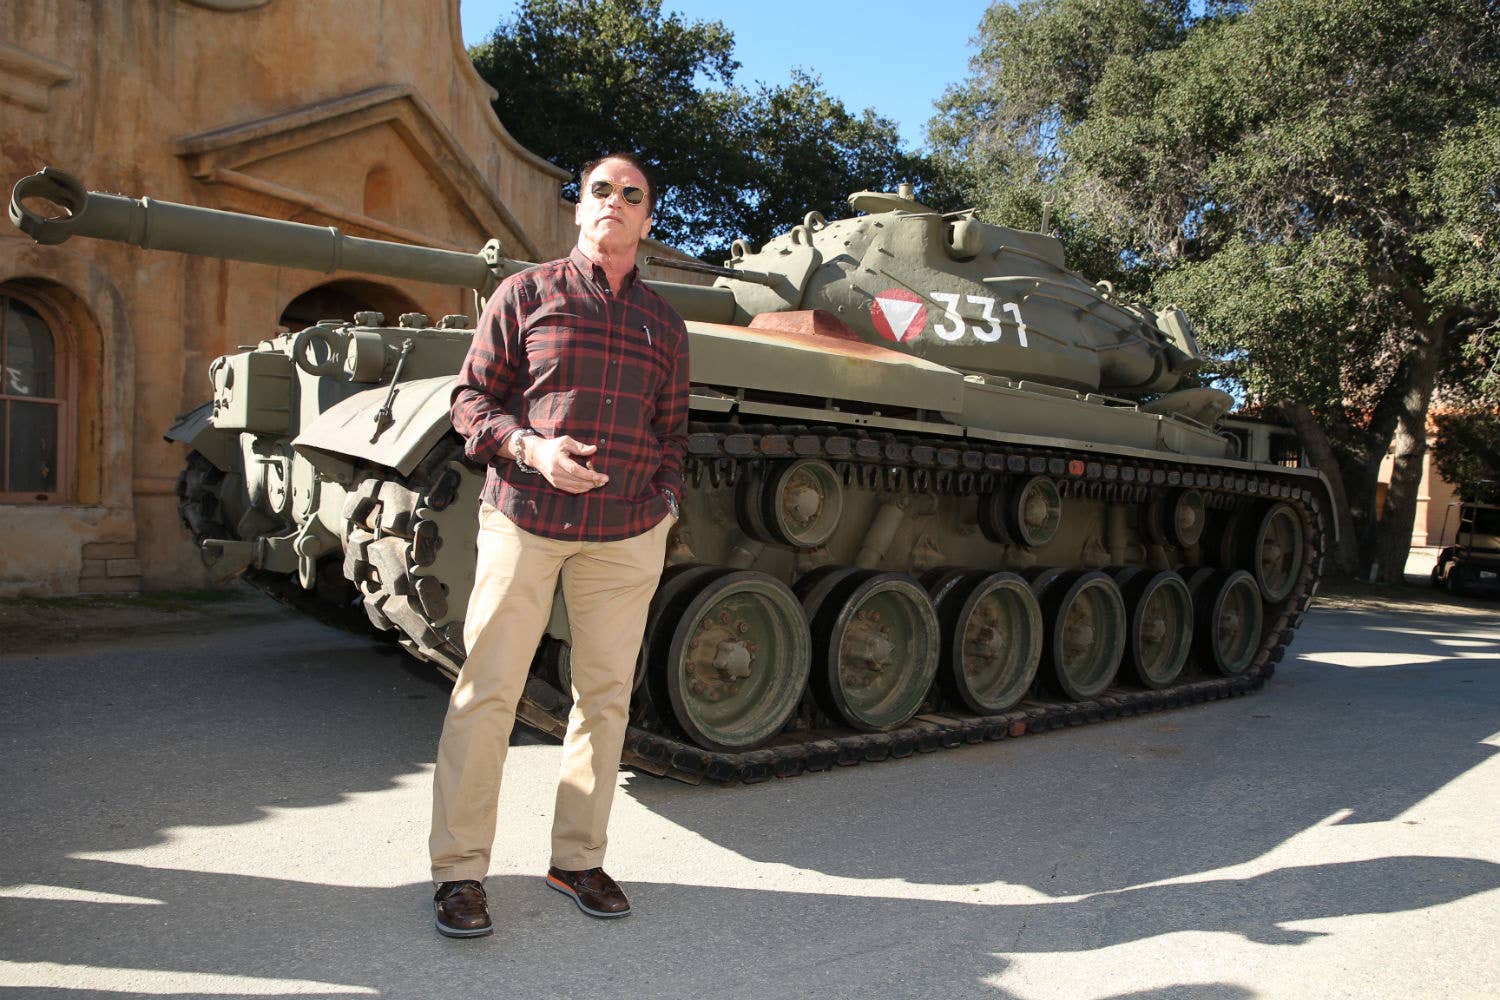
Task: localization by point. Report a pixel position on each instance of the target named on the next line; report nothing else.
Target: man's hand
(555, 457)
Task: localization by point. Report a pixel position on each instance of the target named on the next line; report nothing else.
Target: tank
(940, 488)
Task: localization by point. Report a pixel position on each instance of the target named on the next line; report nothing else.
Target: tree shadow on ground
(686, 941)
(217, 730)
(1139, 800)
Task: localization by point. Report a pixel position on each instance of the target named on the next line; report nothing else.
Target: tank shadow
(1124, 803)
(355, 940)
(222, 731)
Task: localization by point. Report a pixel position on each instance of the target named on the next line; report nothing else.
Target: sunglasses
(603, 189)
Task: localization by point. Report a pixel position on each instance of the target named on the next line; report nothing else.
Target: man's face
(612, 224)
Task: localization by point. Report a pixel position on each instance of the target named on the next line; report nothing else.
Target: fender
(195, 428)
(1320, 487)
(349, 430)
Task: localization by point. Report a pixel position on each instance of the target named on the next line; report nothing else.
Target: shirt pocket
(643, 369)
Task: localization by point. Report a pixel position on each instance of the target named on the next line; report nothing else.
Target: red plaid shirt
(556, 352)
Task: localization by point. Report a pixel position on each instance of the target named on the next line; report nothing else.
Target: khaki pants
(608, 588)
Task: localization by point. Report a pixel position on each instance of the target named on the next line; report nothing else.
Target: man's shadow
(1140, 800)
(682, 941)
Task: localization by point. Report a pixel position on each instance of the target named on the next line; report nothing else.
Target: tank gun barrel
(165, 225)
(209, 232)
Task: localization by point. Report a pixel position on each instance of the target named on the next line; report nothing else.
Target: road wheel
(991, 640)
(875, 647)
(737, 658)
(1230, 617)
(1277, 552)
(1159, 609)
(1085, 633)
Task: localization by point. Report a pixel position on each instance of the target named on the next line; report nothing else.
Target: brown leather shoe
(596, 893)
(461, 910)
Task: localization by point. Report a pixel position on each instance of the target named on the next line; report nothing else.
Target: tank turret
(944, 287)
(952, 289)
(919, 513)
(206, 232)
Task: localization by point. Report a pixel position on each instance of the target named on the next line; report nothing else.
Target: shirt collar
(589, 268)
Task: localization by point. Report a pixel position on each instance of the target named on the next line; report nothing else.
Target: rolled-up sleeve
(483, 396)
(671, 417)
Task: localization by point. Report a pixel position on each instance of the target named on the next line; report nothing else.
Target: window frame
(65, 364)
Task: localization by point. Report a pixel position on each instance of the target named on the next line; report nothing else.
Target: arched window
(342, 299)
(35, 402)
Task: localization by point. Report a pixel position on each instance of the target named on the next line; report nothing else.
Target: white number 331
(951, 326)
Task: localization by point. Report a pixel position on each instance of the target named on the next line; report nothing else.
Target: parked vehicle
(1472, 562)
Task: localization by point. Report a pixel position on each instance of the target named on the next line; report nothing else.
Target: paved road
(244, 813)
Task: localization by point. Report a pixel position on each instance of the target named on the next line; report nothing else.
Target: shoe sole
(455, 932)
(566, 891)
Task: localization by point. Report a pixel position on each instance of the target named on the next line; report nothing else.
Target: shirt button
(608, 401)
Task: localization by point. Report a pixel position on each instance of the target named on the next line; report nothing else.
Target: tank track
(332, 601)
(404, 513)
(394, 528)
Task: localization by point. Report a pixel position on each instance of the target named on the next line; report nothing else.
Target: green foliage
(800, 149)
(1467, 453)
(1314, 180)
(578, 78)
(1253, 301)
(1462, 191)
(1003, 135)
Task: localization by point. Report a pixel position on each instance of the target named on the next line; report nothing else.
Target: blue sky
(895, 57)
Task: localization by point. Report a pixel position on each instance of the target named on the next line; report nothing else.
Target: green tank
(927, 504)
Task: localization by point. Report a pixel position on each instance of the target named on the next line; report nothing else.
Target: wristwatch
(517, 452)
(672, 504)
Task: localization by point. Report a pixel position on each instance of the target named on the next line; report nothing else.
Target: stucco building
(1436, 520)
(367, 116)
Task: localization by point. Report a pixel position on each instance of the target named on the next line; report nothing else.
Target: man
(574, 393)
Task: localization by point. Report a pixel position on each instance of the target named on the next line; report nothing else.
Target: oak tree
(1308, 177)
(579, 78)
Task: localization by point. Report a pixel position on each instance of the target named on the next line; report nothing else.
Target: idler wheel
(802, 502)
(875, 645)
(991, 638)
(1085, 631)
(1277, 552)
(1159, 610)
(736, 656)
(1229, 619)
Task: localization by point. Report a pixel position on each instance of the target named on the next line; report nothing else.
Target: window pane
(33, 447)
(30, 361)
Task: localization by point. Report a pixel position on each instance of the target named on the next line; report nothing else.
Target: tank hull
(915, 484)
